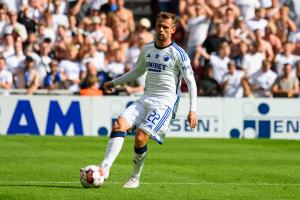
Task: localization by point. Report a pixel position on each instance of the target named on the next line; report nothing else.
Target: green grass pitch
(36, 167)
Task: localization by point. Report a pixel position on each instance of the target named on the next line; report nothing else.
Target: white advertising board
(94, 116)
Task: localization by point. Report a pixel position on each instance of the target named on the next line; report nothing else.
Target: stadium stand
(47, 46)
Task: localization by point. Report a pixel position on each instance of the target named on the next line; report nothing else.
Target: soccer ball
(91, 176)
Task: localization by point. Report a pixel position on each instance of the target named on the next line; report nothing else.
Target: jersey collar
(162, 47)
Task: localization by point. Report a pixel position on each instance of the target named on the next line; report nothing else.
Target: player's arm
(132, 75)
(188, 75)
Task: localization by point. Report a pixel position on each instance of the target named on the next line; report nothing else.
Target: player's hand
(109, 85)
(192, 119)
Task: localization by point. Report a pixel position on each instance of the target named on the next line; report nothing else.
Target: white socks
(138, 161)
(113, 149)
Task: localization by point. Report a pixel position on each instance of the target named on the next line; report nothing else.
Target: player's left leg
(140, 151)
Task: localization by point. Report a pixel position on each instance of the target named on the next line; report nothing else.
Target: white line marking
(24, 183)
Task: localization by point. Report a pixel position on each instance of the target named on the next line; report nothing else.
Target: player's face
(164, 29)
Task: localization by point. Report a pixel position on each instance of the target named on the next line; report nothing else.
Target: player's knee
(141, 139)
(119, 126)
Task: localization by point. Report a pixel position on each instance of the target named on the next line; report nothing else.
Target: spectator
(286, 85)
(16, 60)
(98, 35)
(97, 4)
(116, 67)
(134, 87)
(12, 5)
(241, 32)
(258, 22)
(24, 18)
(253, 61)
(73, 24)
(213, 41)
(5, 75)
(32, 42)
(143, 31)
(231, 83)
(49, 31)
(3, 18)
(238, 34)
(96, 57)
(197, 27)
(54, 77)
(133, 51)
(284, 24)
(207, 85)
(71, 69)
(58, 18)
(230, 4)
(28, 52)
(271, 37)
(27, 76)
(240, 56)
(64, 37)
(264, 46)
(260, 84)
(110, 6)
(79, 8)
(14, 25)
(218, 61)
(123, 16)
(45, 59)
(91, 70)
(229, 18)
(286, 56)
(41, 33)
(92, 87)
(58, 6)
(209, 23)
(248, 8)
(36, 8)
(132, 56)
(104, 28)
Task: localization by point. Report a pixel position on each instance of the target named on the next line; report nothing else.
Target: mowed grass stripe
(16, 183)
(35, 167)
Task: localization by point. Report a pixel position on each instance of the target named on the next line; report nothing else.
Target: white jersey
(233, 88)
(165, 67)
(6, 76)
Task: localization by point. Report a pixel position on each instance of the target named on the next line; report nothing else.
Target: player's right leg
(133, 115)
(114, 145)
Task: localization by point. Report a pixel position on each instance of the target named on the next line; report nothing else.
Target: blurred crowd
(238, 48)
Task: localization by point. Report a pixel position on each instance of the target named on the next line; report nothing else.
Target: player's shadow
(42, 186)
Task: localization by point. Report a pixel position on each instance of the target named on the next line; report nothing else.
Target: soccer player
(165, 64)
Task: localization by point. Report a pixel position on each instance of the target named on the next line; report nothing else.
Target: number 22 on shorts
(153, 117)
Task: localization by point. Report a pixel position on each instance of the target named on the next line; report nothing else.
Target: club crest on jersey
(157, 56)
(165, 58)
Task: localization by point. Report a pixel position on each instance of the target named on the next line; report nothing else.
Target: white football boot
(132, 183)
(105, 170)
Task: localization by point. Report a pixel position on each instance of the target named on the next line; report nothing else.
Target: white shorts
(150, 115)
